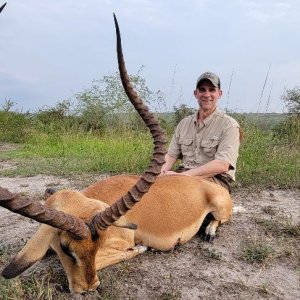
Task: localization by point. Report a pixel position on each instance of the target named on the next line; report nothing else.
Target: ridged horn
(105, 218)
(1, 8)
(43, 214)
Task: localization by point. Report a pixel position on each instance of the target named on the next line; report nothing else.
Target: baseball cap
(212, 77)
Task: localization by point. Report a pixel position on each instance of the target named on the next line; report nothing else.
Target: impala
(106, 222)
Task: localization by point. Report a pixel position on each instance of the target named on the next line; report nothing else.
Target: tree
(8, 105)
(181, 112)
(289, 130)
(292, 99)
(105, 103)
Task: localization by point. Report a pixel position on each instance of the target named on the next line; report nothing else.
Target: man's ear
(220, 93)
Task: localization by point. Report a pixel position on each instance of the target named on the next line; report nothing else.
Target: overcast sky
(50, 49)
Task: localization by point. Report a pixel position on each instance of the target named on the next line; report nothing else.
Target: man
(208, 141)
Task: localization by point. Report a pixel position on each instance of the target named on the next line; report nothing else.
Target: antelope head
(82, 230)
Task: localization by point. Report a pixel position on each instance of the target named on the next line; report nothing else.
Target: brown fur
(170, 213)
(172, 210)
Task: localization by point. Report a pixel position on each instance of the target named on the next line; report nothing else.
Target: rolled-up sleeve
(174, 149)
(228, 147)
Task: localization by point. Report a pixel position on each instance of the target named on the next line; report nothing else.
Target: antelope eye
(68, 252)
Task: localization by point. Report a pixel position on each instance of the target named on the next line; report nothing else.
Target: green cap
(212, 77)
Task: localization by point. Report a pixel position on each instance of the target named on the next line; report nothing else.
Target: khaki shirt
(217, 137)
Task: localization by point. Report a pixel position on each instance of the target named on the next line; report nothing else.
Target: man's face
(207, 95)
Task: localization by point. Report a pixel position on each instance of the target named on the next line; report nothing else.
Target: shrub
(292, 99)
(15, 127)
(289, 130)
(181, 112)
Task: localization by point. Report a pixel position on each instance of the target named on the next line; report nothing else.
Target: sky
(50, 50)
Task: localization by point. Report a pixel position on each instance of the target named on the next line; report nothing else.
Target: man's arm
(167, 166)
(210, 169)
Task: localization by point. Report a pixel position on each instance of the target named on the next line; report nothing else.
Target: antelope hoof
(209, 238)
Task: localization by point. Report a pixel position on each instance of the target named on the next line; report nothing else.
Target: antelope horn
(105, 218)
(43, 214)
(1, 8)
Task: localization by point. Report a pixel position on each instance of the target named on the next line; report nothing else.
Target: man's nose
(206, 93)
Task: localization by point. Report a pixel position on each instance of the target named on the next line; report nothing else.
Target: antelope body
(107, 223)
(173, 209)
(170, 213)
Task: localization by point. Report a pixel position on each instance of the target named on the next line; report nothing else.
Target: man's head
(208, 91)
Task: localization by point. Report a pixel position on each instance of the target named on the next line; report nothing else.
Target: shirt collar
(207, 120)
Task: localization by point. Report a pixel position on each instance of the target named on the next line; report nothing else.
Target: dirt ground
(196, 270)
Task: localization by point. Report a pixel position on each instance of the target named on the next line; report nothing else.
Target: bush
(289, 130)
(56, 119)
(181, 112)
(14, 127)
(292, 99)
(105, 105)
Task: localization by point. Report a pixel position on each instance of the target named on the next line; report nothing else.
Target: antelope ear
(33, 251)
(128, 226)
(122, 223)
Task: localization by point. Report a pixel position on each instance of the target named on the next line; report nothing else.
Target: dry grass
(280, 227)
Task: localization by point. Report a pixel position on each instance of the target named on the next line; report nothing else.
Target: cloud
(51, 48)
(267, 10)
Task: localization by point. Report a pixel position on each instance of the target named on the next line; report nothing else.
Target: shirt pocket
(209, 146)
(186, 145)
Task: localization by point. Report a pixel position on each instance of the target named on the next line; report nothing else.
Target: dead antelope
(99, 226)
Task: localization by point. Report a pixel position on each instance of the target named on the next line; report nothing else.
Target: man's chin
(207, 106)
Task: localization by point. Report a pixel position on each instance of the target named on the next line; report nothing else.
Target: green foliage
(105, 104)
(99, 131)
(66, 154)
(292, 99)
(264, 159)
(254, 251)
(15, 127)
(181, 112)
(289, 130)
(8, 105)
(55, 119)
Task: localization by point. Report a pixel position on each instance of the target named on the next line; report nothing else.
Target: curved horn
(43, 214)
(105, 218)
(1, 8)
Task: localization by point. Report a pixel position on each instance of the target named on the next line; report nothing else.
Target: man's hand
(172, 173)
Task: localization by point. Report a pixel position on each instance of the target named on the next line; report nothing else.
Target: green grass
(254, 251)
(265, 160)
(71, 154)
